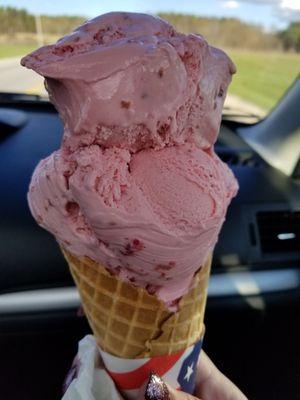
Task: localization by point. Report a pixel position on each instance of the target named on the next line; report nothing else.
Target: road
(15, 78)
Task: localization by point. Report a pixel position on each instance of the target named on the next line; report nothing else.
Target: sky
(270, 14)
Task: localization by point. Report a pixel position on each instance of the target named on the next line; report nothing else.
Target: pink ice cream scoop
(131, 81)
(136, 184)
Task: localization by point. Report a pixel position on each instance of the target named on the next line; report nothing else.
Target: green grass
(12, 50)
(262, 78)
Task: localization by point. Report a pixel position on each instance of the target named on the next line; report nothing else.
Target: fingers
(157, 389)
(154, 389)
(211, 384)
(177, 395)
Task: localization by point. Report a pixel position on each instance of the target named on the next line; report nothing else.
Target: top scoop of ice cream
(130, 80)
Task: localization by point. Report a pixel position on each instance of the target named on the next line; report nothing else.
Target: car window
(262, 38)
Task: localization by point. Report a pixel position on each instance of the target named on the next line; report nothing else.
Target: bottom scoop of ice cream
(151, 217)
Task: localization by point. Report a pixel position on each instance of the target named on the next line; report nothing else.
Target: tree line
(223, 32)
(13, 20)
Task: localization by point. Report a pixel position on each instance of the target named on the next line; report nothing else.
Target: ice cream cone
(129, 322)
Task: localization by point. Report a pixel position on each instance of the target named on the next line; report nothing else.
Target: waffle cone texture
(129, 322)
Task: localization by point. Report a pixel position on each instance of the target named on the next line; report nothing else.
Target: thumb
(157, 389)
(177, 395)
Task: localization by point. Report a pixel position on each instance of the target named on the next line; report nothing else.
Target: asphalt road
(15, 78)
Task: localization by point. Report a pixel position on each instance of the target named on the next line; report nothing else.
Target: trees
(225, 32)
(290, 37)
(14, 20)
(221, 32)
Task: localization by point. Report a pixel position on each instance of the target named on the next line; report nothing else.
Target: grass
(262, 78)
(12, 50)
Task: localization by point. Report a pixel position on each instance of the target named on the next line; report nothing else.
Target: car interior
(252, 316)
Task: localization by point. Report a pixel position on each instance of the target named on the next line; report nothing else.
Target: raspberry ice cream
(136, 185)
(131, 81)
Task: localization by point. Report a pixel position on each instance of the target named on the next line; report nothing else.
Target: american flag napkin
(178, 370)
(95, 373)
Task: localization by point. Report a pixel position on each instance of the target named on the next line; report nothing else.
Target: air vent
(279, 231)
(238, 158)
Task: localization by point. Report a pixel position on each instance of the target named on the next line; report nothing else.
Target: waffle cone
(129, 322)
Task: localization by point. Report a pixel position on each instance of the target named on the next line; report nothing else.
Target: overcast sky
(271, 14)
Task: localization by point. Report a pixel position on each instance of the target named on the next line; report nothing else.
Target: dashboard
(261, 232)
(256, 266)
